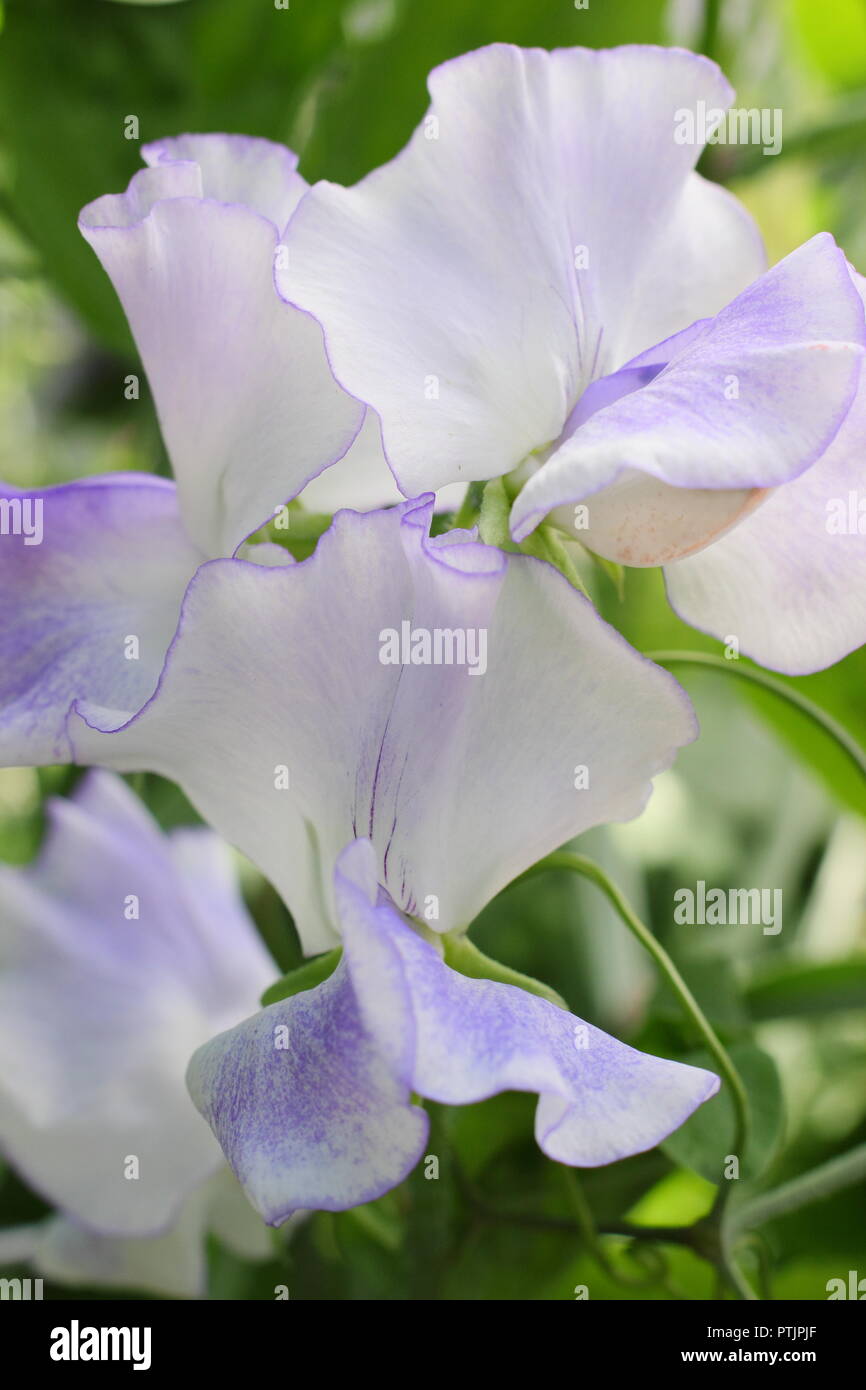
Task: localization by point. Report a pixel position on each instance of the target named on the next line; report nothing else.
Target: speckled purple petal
(599, 1100)
(311, 1098)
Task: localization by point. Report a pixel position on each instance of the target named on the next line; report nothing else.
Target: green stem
(464, 957)
(582, 1212)
(821, 1182)
(737, 1279)
(669, 1235)
(577, 863)
(793, 697)
(765, 1270)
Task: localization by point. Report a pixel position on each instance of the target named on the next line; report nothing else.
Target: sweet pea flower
(398, 726)
(312, 1099)
(303, 709)
(450, 713)
(249, 410)
(540, 285)
(121, 951)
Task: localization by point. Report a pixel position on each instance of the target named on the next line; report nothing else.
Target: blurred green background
(763, 799)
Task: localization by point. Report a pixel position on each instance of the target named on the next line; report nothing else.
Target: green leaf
(70, 74)
(715, 984)
(839, 691)
(354, 129)
(478, 1133)
(704, 1141)
(509, 1262)
(680, 1199)
(794, 990)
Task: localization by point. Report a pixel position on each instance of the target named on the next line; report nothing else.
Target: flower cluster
(538, 294)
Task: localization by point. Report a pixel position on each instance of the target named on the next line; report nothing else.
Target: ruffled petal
(599, 1100)
(710, 252)
(789, 582)
(750, 401)
(362, 480)
(542, 226)
(254, 173)
(464, 756)
(87, 612)
(248, 407)
(311, 1098)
